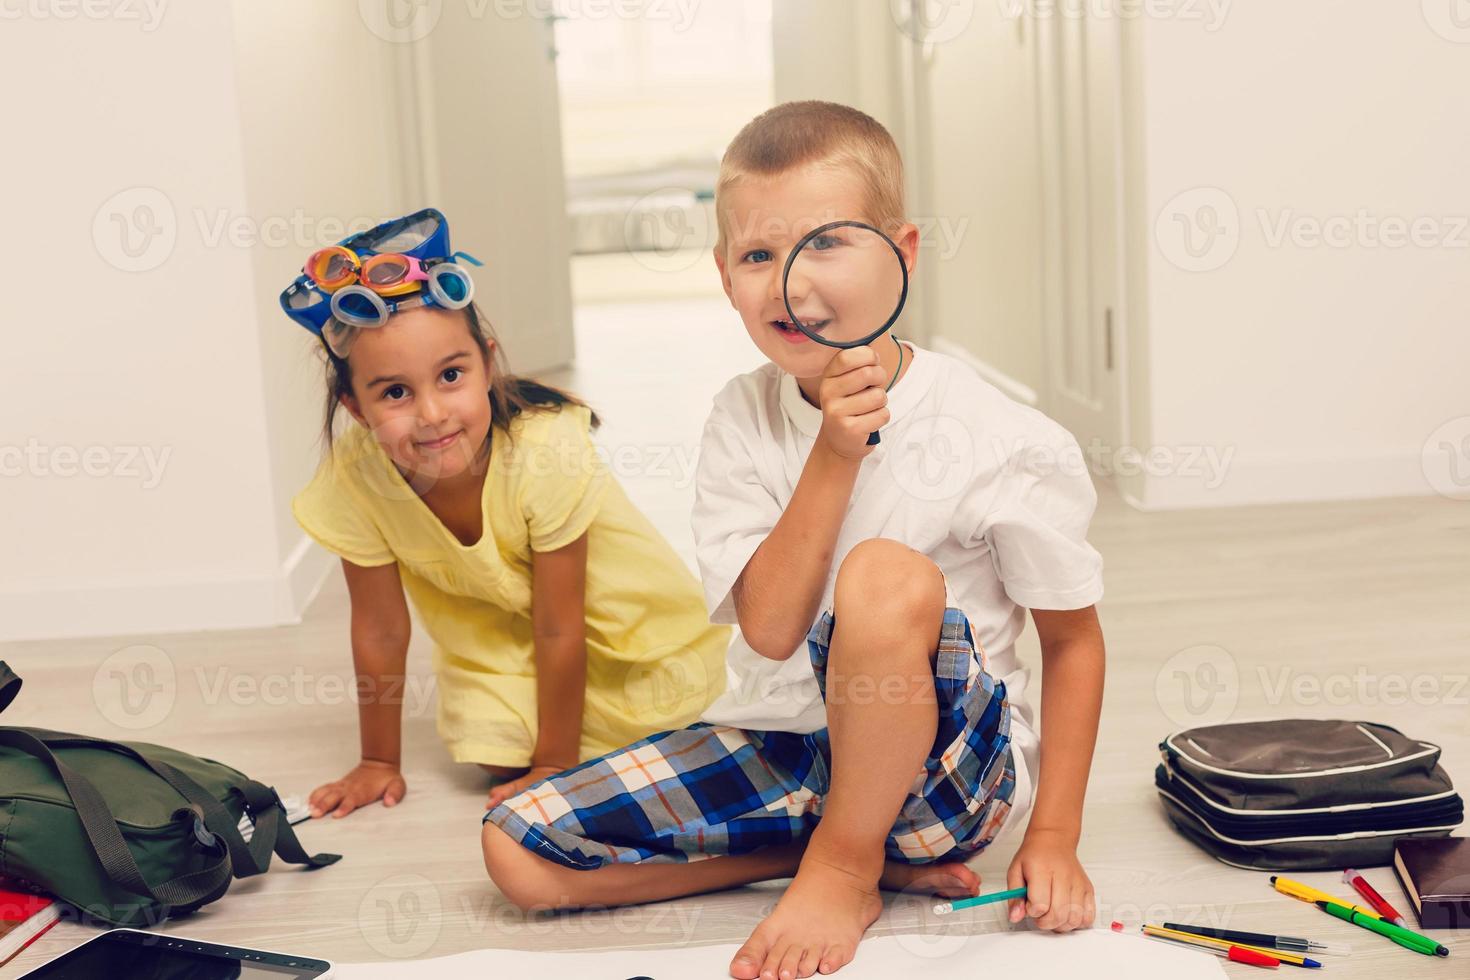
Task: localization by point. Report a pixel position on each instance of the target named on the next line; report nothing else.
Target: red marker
(1376, 900)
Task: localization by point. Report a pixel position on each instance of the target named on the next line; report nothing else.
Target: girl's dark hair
(509, 395)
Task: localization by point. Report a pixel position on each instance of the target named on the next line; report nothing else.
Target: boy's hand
(854, 404)
(505, 791)
(368, 782)
(1059, 894)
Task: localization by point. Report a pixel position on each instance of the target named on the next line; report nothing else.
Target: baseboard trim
(167, 604)
(1022, 393)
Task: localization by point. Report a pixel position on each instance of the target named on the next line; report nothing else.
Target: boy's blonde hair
(819, 134)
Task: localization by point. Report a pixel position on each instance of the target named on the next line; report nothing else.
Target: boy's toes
(810, 960)
(751, 957)
(776, 963)
(791, 963)
(834, 958)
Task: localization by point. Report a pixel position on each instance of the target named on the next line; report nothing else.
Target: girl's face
(420, 384)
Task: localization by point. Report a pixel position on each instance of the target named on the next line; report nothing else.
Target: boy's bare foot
(949, 879)
(816, 925)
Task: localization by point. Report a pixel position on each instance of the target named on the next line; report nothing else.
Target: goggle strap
(466, 256)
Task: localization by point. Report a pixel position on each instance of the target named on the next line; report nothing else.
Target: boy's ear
(907, 241)
(719, 254)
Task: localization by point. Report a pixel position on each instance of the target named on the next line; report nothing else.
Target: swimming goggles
(367, 277)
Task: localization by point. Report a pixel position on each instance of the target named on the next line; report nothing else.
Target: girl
(564, 625)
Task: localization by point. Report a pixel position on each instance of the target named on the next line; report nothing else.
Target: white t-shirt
(995, 493)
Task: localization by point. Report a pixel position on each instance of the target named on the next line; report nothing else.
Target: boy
(897, 746)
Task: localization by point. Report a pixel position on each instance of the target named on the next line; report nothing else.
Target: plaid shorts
(710, 790)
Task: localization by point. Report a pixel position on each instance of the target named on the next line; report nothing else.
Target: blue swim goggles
(367, 277)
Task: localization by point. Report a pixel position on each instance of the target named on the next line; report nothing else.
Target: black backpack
(1304, 795)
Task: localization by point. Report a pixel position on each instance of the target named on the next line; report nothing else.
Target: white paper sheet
(1096, 954)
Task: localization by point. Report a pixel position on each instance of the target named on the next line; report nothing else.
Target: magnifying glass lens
(845, 284)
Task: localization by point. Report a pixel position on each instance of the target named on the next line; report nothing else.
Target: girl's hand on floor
(368, 782)
(505, 791)
(1059, 894)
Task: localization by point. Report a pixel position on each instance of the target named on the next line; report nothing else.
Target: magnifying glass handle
(872, 438)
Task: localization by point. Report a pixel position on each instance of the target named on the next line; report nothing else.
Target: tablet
(128, 954)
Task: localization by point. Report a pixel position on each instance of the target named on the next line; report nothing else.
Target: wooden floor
(1355, 610)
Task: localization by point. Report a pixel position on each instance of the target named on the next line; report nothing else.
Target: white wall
(109, 119)
(983, 215)
(1324, 369)
(194, 135)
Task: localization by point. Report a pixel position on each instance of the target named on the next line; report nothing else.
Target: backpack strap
(183, 893)
(271, 833)
(9, 685)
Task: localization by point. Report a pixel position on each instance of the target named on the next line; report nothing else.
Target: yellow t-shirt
(654, 661)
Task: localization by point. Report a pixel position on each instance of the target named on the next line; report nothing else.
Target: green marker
(944, 908)
(1404, 937)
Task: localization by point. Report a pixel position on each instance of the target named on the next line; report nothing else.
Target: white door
(1079, 93)
(484, 118)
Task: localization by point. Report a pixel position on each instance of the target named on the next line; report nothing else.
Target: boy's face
(420, 384)
(765, 219)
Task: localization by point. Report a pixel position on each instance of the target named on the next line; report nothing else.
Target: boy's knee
(890, 581)
(521, 876)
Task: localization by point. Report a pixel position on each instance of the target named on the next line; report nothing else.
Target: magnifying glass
(845, 285)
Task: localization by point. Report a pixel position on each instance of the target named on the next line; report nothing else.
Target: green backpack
(129, 833)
